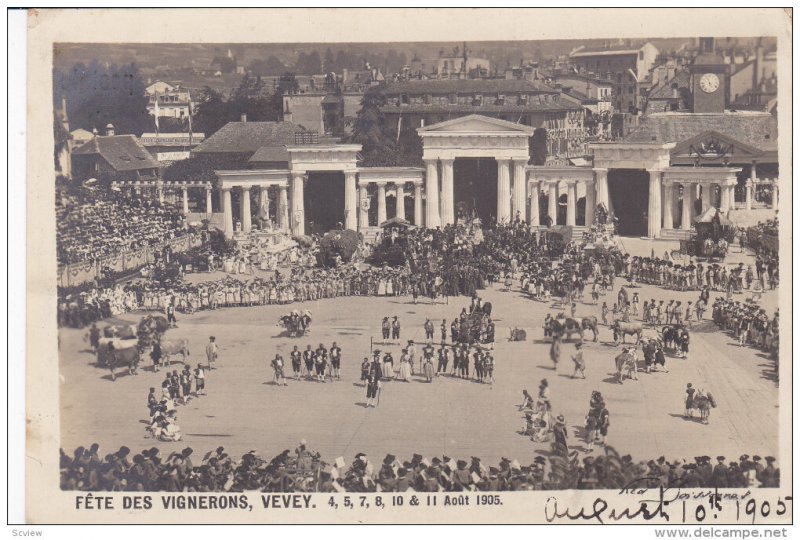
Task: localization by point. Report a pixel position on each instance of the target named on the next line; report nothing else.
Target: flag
(156, 113)
(190, 119)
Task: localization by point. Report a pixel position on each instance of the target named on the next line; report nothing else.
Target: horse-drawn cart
(712, 236)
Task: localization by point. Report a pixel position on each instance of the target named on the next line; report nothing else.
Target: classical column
(400, 197)
(209, 206)
(732, 197)
(447, 211)
(774, 193)
(572, 202)
(350, 201)
(534, 214)
(298, 222)
(432, 217)
(724, 199)
(706, 196)
(503, 191)
(363, 208)
(520, 190)
(601, 187)
(263, 203)
(185, 192)
(552, 202)
(654, 206)
(228, 211)
(686, 209)
(247, 216)
(418, 204)
(283, 207)
(669, 221)
(748, 195)
(381, 202)
(591, 203)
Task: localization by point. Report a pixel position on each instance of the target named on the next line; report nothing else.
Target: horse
(126, 353)
(170, 347)
(627, 328)
(626, 364)
(704, 403)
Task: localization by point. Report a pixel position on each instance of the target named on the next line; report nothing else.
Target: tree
(101, 94)
(370, 132)
(211, 112)
(538, 146)
(269, 67)
(329, 63)
(308, 64)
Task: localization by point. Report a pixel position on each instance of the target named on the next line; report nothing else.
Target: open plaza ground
(244, 410)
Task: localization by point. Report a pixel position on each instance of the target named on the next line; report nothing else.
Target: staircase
(675, 234)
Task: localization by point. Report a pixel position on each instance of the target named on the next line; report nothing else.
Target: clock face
(709, 83)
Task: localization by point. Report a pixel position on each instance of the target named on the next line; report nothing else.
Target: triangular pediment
(476, 123)
(712, 143)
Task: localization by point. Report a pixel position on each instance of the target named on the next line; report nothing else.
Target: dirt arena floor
(245, 411)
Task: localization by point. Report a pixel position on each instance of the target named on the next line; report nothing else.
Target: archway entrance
(628, 191)
(475, 188)
(324, 201)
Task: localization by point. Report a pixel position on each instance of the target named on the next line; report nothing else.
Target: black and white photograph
(359, 273)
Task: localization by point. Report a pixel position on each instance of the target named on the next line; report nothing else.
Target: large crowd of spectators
(92, 224)
(305, 471)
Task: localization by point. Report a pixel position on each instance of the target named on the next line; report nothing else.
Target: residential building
(625, 65)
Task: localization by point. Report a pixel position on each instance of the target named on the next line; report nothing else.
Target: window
(404, 99)
(641, 55)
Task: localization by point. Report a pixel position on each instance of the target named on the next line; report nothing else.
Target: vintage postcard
(409, 266)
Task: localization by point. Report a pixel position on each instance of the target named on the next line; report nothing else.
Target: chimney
(110, 130)
(244, 118)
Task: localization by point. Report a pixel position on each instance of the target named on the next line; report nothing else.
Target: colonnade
(400, 187)
(512, 191)
(158, 189)
(263, 209)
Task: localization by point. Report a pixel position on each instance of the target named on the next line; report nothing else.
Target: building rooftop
(664, 91)
(122, 152)
(248, 137)
(468, 86)
(756, 129)
(270, 154)
(456, 108)
(605, 51)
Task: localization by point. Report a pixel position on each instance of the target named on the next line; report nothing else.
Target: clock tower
(709, 83)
